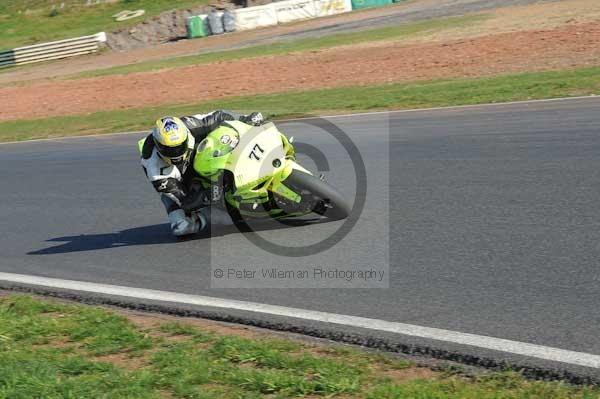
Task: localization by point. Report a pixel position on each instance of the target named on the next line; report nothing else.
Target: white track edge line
(480, 341)
(397, 111)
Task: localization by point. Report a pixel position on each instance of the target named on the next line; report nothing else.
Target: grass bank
(405, 31)
(343, 100)
(56, 350)
(29, 22)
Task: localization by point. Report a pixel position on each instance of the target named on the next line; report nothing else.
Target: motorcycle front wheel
(319, 196)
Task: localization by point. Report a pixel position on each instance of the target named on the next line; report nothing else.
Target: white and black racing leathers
(173, 181)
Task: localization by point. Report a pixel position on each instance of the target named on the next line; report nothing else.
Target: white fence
(52, 50)
(287, 11)
(255, 17)
(293, 10)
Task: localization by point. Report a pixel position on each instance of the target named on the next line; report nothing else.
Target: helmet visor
(175, 153)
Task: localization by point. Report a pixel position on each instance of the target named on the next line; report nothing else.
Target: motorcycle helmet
(171, 138)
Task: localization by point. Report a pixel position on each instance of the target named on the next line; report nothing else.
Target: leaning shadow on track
(152, 235)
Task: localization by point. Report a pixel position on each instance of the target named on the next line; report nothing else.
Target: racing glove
(202, 198)
(255, 119)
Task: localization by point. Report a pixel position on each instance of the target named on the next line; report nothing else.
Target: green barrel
(359, 4)
(196, 26)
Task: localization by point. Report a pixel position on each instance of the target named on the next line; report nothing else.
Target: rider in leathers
(166, 156)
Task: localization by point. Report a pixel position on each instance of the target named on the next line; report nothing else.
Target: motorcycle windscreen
(258, 155)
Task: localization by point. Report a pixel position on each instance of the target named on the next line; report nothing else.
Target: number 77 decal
(253, 153)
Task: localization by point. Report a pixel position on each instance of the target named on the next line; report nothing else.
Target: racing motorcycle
(256, 170)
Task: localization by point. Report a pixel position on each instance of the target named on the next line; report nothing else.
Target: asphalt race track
(490, 221)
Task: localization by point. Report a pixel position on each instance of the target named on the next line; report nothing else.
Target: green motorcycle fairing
(259, 158)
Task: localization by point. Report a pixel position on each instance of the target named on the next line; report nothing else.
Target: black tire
(326, 201)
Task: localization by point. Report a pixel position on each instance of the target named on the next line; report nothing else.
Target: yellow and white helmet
(171, 137)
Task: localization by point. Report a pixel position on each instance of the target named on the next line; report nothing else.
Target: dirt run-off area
(571, 45)
(506, 15)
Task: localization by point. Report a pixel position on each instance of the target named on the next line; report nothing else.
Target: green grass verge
(343, 100)
(28, 22)
(410, 30)
(54, 350)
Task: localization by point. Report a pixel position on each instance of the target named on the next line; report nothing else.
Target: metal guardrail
(52, 50)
